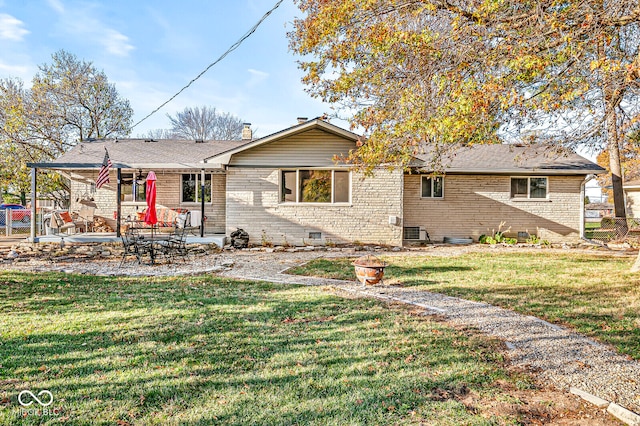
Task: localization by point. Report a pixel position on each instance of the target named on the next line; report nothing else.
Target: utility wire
(233, 47)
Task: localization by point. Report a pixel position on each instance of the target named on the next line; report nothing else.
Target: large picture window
(529, 187)
(133, 188)
(192, 188)
(315, 186)
(432, 187)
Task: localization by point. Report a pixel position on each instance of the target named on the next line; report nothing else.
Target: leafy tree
(70, 100)
(19, 144)
(73, 95)
(205, 123)
(436, 73)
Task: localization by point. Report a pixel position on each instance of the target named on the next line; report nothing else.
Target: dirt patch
(544, 406)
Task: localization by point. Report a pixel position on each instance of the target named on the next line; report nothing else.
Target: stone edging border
(621, 413)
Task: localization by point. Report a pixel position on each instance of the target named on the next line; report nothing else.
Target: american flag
(103, 176)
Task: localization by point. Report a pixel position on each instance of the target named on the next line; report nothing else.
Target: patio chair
(62, 222)
(133, 246)
(85, 218)
(183, 220)
(176, 245)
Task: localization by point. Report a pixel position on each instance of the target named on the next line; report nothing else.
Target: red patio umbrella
(150, 217)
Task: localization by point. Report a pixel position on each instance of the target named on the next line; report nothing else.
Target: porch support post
(202, 203)
(34, 191)
(118, 202)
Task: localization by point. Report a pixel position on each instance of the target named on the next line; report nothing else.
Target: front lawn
(205, 350)
(595, 294)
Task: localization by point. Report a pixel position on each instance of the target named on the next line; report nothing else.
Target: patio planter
(369, 269)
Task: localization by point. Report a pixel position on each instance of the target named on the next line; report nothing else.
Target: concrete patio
(110, 237)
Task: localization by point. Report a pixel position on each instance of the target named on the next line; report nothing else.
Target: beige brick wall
(252, 204)
(167, 195)
(633, 202)
(475, 204)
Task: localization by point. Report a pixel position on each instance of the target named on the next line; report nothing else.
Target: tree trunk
(614, 158)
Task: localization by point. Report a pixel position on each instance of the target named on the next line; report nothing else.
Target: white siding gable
(313, 148)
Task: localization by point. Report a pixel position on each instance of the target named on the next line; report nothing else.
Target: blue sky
(151, 49)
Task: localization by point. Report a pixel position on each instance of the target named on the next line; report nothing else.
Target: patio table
(152, 242)
(146, 238)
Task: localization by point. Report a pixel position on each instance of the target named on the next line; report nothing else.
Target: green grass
(205, 350)
(596, 295)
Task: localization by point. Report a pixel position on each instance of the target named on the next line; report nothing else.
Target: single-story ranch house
(286, 188)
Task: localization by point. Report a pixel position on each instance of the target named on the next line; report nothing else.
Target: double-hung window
(192, 188)
(529, 187)
(432, 186)
(133, 188)
(315, 186)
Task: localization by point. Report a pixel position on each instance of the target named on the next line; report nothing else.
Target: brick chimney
(247, 133)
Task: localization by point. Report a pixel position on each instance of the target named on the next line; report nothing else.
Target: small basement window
(315, 235)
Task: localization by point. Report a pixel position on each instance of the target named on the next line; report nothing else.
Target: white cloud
(257, 77)
(11, 28)
(83, 23)
(56, 5)
(116, 43)
(21, 71)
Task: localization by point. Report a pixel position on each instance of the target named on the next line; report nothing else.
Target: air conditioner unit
(415, 233)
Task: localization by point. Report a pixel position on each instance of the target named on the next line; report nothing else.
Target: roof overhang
(156, 166)
(523, 172)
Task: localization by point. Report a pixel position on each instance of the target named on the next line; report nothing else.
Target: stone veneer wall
(252, 204)
(476, 204)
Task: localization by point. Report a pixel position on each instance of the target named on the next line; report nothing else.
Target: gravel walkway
(558, 356)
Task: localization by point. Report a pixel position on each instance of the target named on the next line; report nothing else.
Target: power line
(233, 47)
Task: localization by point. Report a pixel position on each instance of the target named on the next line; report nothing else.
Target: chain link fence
(613, 229)
(15, 222)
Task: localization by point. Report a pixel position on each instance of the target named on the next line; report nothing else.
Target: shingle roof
(136, 152)
(510, 158)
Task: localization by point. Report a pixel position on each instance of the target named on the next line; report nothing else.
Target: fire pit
(369, 269)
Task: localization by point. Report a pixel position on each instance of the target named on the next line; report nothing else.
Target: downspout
(582, 206)
(202, 202)
(118, 201)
